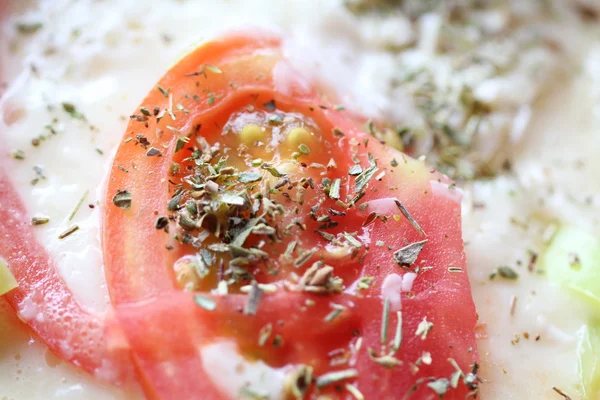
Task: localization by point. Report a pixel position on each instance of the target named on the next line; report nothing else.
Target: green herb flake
(78, 205)
(273, 171)
(263, 229)
(561, 393)
(205, 302)
(352, 241)
(333, 314)
(455, 379)
(439, 386)
(253, 300)
(397, 342)
(211, 99)
(370, 127)
(201, 266)
(334, 189)
(153, 151)
(19, 155)
(213, 68)
(338, 133)
(277, 341)
(325, 235)
(354, 170)
(574, 261)
(264, 333)
(270, 105)
(304, 149)
(424, 328)
(456, 375)
(249, 177)
(505, 272)
(385, 321)
(25, 28)
(303, 258)
(290, 248)
(370, 219)
(122, 199)
(241, 235)
(233, 199)
(298, 381)
(71, 109)
(364, 177)
(386, 360)
(353, 390)
(275, 119)
(68, 232)
(207, 257)
(161, 223)
(407, 255)
(409, 217)
(164, 91)
(365, 282)
(335, 377)
(186, 222)
(173, 203)
(181, 142)
(39, 220)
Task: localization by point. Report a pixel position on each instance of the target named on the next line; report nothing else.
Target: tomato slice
(237, 176)
(45, 303)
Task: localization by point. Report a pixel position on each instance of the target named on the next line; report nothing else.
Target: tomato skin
(146, 245)
(152, 310)
(200, 327)
(85, 339)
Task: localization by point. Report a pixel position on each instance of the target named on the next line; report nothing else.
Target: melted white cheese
(103, 56)
(235, 377)
(391, 289)
(555, 179)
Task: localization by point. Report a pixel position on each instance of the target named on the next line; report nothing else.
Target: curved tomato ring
(85, 339)
(166, 328)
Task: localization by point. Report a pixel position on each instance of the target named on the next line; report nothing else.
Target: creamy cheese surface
(73, 71)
